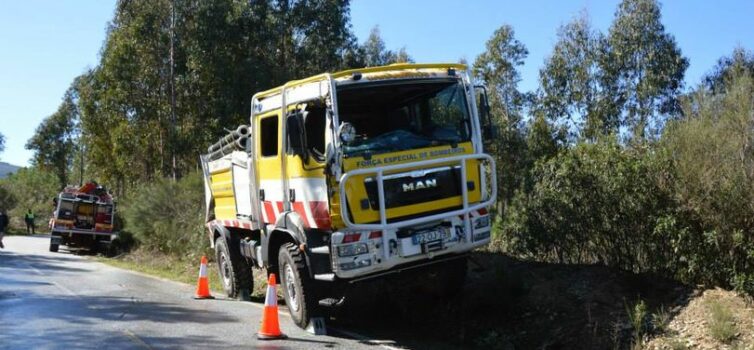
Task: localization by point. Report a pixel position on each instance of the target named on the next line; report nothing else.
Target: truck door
(268, 158)
(306, 165)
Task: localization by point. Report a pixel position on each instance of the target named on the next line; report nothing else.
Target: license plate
(428, 236)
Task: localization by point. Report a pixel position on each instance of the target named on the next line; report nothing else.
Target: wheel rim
(290, 287)
(225, 270)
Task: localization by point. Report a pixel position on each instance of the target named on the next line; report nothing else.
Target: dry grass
(715, 319)
(721, 324)
(677, 344)
(21, 231)
(176, 269)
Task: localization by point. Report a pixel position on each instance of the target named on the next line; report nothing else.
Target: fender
(288, 223)
(291, 221)
(220, 229)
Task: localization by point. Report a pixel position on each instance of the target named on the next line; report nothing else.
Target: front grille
(415, 187)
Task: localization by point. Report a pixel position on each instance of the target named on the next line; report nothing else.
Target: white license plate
(428, 236)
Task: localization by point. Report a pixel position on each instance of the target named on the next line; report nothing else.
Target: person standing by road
(29, 218)
(3, 225)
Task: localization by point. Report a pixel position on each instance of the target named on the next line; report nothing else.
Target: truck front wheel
(297, 286)
(54, 247)
(234, 271)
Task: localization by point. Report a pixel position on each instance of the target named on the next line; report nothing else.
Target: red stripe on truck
(320, 214)
(298, 207)
(270, 212)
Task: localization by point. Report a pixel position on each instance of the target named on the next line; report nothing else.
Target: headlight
(353, 249)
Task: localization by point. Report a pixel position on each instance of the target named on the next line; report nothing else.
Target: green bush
(682, 206)
(30, 188)
(595, 202)
(7, 200)
(168, 216)
(713, 152)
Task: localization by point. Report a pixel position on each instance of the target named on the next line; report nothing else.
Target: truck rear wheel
(297, 286)
(235, 273)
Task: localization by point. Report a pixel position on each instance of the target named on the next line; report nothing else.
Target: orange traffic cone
(202, 285)
(270, 328)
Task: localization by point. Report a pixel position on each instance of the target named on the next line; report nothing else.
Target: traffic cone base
(273, 337)
(270, 328)
(202, 284)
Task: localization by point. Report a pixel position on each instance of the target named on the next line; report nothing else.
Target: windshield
(389, 117)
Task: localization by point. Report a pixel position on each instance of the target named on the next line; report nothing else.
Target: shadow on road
(70, 338)
(30, 262)
(92, 309)
(84, 312)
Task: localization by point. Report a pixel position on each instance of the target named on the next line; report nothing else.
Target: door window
(268, 134)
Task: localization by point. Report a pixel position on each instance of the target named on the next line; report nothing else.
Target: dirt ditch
(513, 304)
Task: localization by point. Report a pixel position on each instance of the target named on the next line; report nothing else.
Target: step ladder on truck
(351, 176)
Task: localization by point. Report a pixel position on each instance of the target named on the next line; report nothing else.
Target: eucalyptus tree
(199, 61)
(497, 69)
(54, 140)
(570, 81)
(741, 61)
(375, 52)
(643, 67)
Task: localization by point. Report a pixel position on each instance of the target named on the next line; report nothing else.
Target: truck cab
(352, 176)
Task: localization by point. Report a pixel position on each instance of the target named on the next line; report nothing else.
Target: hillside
(6, 169)
(515, 304)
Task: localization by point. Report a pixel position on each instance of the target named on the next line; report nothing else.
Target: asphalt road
(65, 301)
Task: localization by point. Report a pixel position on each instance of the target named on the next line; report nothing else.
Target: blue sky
(45, 44)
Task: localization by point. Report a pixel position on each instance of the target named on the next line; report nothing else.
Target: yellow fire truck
(352, 176)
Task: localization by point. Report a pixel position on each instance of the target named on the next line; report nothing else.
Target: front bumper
(403, 250)
(410, 266)
(56, 236)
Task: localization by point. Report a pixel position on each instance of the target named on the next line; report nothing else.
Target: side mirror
(346, 132)
(489, 132)
(297, 135)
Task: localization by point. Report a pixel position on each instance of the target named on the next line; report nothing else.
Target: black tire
(298, 287)
(94, 246)
(235, 273)
(54, 247)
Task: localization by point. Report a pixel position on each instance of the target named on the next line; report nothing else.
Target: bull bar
(384, 225)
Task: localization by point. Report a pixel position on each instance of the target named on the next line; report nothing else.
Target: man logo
(419, 185)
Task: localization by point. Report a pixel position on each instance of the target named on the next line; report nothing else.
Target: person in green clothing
(29, 219)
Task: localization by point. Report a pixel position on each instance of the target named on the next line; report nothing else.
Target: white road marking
(367, 340)
(65, 289)
(56, 284)
(36, 271)
(281, 312)
(138, 341)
